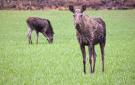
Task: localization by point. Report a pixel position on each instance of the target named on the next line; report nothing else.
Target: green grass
(60, 63)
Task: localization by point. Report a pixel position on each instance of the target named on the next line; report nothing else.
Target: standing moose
(90, 31)
(40, 25)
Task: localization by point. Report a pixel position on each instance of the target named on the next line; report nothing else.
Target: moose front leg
(84, 57)
(90, 47)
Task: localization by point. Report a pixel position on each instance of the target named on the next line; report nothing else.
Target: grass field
(60, 63)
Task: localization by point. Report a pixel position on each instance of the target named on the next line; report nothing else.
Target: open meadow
(60, 63)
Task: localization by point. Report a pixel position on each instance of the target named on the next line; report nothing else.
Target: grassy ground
(61, 62)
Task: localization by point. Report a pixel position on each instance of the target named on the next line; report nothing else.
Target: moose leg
(94, 57)
(44, 33)
(29, 36)
(37, 36)
(102, 45)
(84, 57)
(90, 56)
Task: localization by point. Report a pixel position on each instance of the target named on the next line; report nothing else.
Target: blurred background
(62, 4)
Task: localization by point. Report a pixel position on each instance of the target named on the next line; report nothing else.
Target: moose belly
(85, 40)
(98, 39)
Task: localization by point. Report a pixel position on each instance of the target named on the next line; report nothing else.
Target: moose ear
(83, 8)
(71, 8)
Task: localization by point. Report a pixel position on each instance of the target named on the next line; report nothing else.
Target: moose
(90, 31)
(40, 25)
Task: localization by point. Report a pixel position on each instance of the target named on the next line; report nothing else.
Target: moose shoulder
(90, 31)
(40, 25)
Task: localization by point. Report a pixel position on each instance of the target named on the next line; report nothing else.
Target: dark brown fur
(90, 31)
(40, 25)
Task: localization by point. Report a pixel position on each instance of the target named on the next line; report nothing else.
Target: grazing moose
(40, 25)
(90, 31)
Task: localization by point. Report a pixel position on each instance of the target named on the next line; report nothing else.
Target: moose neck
(80, 27)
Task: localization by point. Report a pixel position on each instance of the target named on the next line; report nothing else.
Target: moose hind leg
(94, 57)
(29, 36)
(84, 57)
(102, 45)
